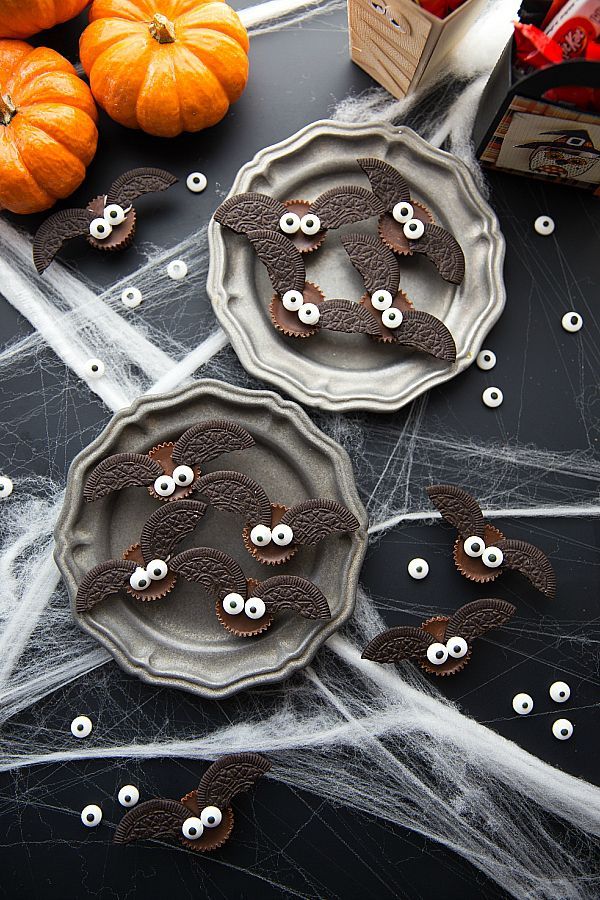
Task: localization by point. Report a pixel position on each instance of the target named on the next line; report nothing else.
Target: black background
(290, 843)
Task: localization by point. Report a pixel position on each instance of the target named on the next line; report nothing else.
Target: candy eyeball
(140, 579)
(544, 225)
(492, 557)
(81, 727)
(522, 704)
(382, 300)
(282, 535)
(414, 229)
(177, 269)
(164, 486)
(128, 795)
(211, 816)
(131, 297)
(437, 654)
(457, 647)
(474, 546)
(260, 536)
(192, 828)
(255, 608)
(392, 318)
(418, 568)
(157, 569)
(492, 397)
(183, 476)
(6, 487)
(196, 182)
(114, 214)
(572, 322)
(309, 313)
(233, 604)
(289, 223)
(292, 300)
(100, 229)
(486, 360)
(95, 368)
(91, 815)
(560, 691)
(403, 212)
(562, 729)
(310, 224)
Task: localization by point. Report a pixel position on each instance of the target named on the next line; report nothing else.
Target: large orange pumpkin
(48, 133)
(165, 66)
(22, 18)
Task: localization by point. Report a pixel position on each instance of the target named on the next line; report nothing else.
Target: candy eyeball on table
(522, 704)
(572, 322)
(94, 368)
(6, 487)
(418, 568)
(91, 815)
(81, 727)
(196, 182)
(486, 360)
(131, 297)
(177, 269)
(492, 397)
(544, 225)
(559, 691)
(562, 729)
(128, 795)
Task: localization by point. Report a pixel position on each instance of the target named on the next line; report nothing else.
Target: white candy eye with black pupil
(100, 229)
(211, 816)
(562, 729)
(382, 300)
(492, 557)
(81, 727)
(522, 704)
(114, 214)
(233, 604)
(260, 536)
(474, 546)
(292, 301)
(183, 476)
(282, 535)
(255, 608)
(392, 318)
(309, 313)
(192, 828)
(403, 212)
(310, 224)
(91, 815)
(128, 795)
(289, 223)
(560, 691)
(437, 654)
(164, 486)
(157, 569)
(139, 580)
(414, 229)
(457, 647)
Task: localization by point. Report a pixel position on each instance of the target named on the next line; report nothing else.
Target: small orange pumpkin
(165, 66)
(48, 134)
(19, 19)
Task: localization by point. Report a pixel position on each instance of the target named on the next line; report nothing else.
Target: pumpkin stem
(7, 109)
(161, 29)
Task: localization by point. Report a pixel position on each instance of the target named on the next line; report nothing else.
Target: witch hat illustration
(570, 155)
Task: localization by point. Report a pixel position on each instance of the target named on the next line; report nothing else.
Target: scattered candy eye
(560, 691)
(183, 476)
(309, 313)
(139, 579)
(95, 368)
(474, 546)
(382, 300)
(403, 212)
(233, 604)
(81, 727)
(177, 269)
(211, 816)
(282, 535)
(157, 569)
(196, 182)
(192, 828)
(492, 397)
(492, 557)
(414, 229)
(310, 224)
(260, 535)
(392, 318)
(486, 360)
(572, 322)
(164, 486)
(544, 225)
(6, 487)
(522, 704)
(562, 729)
(289, 223)
(437, 654)
(91, 815)
(255, 608)
(114, 214)
(292, 300)
(418, 568)
(100, 229)
(131, 297)
(128, 795)
(457, 647)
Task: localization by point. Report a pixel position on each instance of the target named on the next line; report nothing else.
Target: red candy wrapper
(440, 8)
(534, 48)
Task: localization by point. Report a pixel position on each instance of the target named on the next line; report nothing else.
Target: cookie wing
(531, 562)
(386, 181)
(400, 643)
(207, 440)
(217, 572)
(249, 212)
(444, 251)
(56, 231)
(314, 520)
(166, 527)
(348, 317)
(283, 261)
(119, 471)
(103, 580)
(346, 205)
(374, 261)
(291, 592)
(229, 776)
(152, 819)
(237, 493)
(422, 331)
(458, 509)
(136, 182)
(474, 619)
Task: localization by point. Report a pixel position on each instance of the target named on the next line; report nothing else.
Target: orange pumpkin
(22, 18)
(48, 133)
(165, 66)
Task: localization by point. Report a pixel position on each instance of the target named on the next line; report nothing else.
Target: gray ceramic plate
(178, 641)
(341, 372)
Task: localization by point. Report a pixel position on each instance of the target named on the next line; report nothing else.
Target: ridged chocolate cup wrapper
(392, 232)
(242, 625)
(287, 321)
(121, 236)
(156, 590)
(471, 566)
(401, 302)
(212, 838)
(163, 454)
(306, 243)
(272, 554)
(437, 627)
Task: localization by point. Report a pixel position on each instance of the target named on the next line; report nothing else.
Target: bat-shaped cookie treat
(481, 552)
(408, 227)
(147, 571)
(393, 312)
(441, 645)
(203, 819)
(108, 221)
(170, 471)
(273, 533)
(304, 224)
(246, 606)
